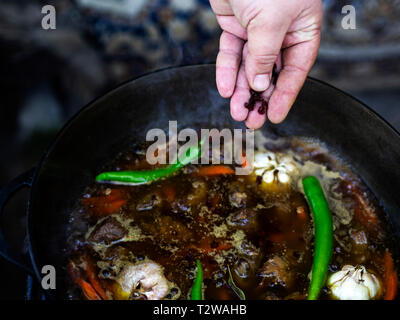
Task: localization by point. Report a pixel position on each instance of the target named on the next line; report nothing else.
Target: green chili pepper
(197, 289)
(323, 229)
(239, 292)
(144, 176)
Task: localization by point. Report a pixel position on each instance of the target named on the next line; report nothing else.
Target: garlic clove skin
(288, 165)
(373, 284)
(354, 283)
(259, 172)
(350, 290)
(268, 176)
(283, 177)
(274, 169)
(264, 160)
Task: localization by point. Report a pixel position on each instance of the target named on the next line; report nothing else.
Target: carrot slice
(92, 290)
(283, 237)
(115, 194)
(215, 201)
(88, 290)
(105, 205)
(391, 279)
(276, 237)
(102, 208)
(205, 246)
(94, 281)
(215, 170)
(301, 214)
(170, 193)
(364, 213)
(114, 206)
(245, 162)
(223, 246)
(391, 286)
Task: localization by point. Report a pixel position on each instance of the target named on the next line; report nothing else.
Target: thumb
(265, 38)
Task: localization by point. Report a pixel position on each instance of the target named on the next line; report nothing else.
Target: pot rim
(31, 248)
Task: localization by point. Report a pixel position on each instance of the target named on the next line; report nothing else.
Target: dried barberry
(257, 96)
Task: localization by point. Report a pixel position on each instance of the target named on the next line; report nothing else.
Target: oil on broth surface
(142, 242)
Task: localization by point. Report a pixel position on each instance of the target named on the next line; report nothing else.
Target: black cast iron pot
(186, 94)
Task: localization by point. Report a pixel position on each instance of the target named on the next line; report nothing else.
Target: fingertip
(238, 111)
(275, 118)
(260, 82)
(224, 89)
(255, 120)
(259, 77)
(278, 108)
(253, 125)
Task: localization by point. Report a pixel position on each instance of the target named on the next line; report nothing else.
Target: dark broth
(264, 236)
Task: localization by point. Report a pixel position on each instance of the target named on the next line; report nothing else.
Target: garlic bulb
(354, 283)
(273, 169)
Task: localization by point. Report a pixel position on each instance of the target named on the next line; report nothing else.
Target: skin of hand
(256, 35)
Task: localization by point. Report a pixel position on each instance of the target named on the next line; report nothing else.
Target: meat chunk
(198, 193)
(149, 202)
(359, 243)
(242, 268)
(270, 296)
(107, 231)
(359, 237)
(276, 271)
(168, 230)
(237, 195)
(146, 280)
(245, 219)
(191, 200)
(238, 199)
(246, 265)
(280, 214)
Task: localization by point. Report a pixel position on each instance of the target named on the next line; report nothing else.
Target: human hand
(256, 35)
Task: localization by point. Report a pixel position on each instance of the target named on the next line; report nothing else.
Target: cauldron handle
(22, 181)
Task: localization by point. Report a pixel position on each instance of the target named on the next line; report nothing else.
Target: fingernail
(261, 82)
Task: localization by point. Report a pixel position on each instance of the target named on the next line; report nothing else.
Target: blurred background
(46, 76)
